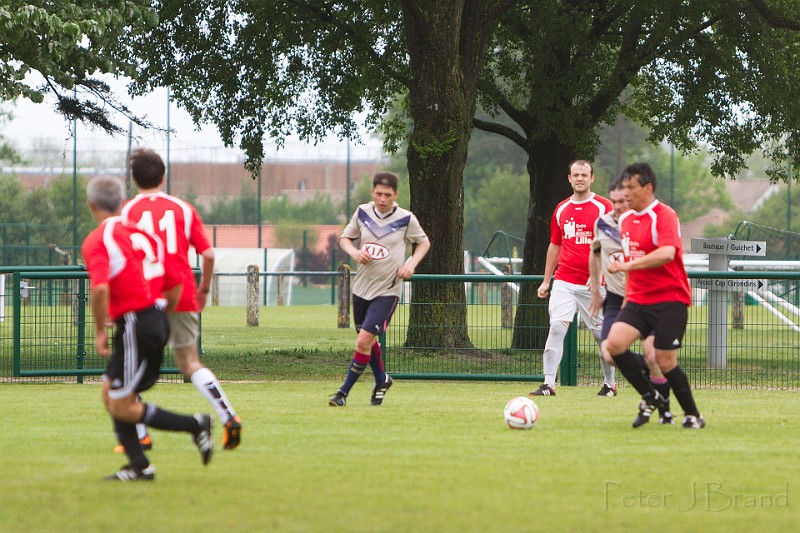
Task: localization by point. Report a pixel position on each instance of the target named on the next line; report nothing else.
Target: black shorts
(667, 320)
(373, 315)
(135, 361)
(612, 305)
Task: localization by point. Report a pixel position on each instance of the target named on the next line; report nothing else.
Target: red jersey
(642, 232)
(572, 228)
(127, 259)
(179, 226)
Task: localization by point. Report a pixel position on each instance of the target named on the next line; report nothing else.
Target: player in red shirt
(179, 226)
(571, 235)
(657, 297)
(126, 275)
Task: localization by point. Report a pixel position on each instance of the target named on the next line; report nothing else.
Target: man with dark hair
(382, 229)
(607, 249)
(180, 227)
(571, 234)
(657, 295)
(126, 275)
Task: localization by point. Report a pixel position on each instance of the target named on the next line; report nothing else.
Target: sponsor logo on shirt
(376, 251)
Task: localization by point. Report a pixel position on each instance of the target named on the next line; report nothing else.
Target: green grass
(435, 457)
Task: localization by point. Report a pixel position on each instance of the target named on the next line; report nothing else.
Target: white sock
(141, 431)
(206, 382)
(553, 352)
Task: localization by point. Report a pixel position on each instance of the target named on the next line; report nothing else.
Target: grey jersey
(384, 238)
(607, 240)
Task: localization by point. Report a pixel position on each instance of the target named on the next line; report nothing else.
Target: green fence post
(80, 349)
(569, 363)
(384, 349)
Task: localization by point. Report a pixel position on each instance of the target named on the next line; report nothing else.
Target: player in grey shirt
(606, 249)
(382, 229)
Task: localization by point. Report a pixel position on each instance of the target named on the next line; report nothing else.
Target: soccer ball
(521, 413)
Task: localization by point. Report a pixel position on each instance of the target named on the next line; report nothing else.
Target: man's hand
(544, 290)
(618, 266)
(101, 343)
(202, 299)
(596, 304)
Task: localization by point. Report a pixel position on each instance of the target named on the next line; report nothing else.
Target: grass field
(435, 457)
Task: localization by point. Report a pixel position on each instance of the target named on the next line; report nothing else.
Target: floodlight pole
(789, 207)
(347, 184)
(75, 180)
(169, 188)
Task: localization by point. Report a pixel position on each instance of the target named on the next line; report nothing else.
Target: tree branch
(772, 18)
(500, 129)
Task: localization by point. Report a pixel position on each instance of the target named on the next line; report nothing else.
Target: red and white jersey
(572, 228)
(178, 226)
(126, 258)
(642, 232)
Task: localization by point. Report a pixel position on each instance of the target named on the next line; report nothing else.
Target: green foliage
(713, 72)
(37, 220)
(319, 210)
(243, 209)
(436, 148)
(7, 152)
(66, 44)
(499, 203)
(685, 181)
(318, 66)
(772, 213)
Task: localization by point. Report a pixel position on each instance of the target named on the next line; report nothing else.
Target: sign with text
(729, 247)
(731, 285)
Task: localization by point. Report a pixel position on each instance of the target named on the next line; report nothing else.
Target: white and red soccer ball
(520, 413)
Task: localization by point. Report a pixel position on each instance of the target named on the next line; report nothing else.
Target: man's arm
(408, 268)
(359, 256)
(100, 296)
(595, 270)
(206, 273)
(660, 256)
(553, 254)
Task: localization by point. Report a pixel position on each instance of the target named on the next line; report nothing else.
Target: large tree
(58, 48)
(304, 67)
(721, 72)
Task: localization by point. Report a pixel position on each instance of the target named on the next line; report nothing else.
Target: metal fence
(46, 327)
(46, 331)
(761, 325)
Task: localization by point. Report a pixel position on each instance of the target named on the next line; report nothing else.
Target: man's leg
(553, 351)
(619, 340)
(361, 358)
(660, 383)
(184, 332)
(678, 381)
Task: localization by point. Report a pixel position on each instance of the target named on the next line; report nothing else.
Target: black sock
(158, 418)
(663, 390)
(126, 434)
(631, 367)
(683, 392)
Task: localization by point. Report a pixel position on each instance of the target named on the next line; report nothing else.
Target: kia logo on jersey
(376, 251)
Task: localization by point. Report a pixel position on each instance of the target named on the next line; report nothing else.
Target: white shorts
(184, 329)
(568, 298)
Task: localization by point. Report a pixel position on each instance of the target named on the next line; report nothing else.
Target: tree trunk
(548, 167)
(446, 44)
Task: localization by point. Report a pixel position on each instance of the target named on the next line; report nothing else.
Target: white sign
(729, 247)
(729, 284)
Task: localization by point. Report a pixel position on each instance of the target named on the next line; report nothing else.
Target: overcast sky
(35, 125)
